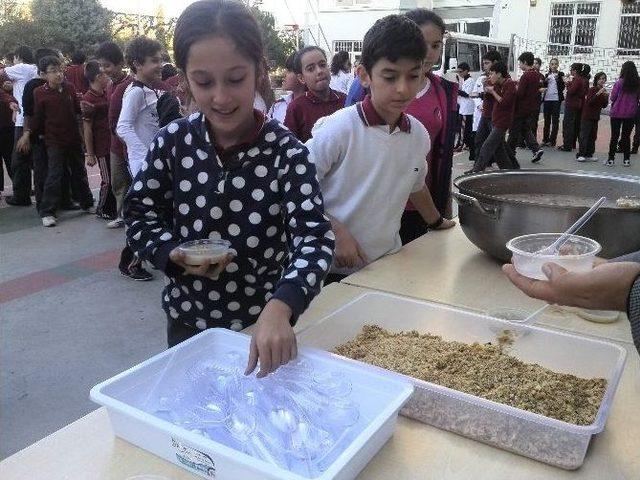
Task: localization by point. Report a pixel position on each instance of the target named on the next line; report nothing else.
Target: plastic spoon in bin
(533, 316)
(554, 248)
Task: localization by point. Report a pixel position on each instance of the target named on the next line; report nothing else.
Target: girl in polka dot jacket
(228, 172)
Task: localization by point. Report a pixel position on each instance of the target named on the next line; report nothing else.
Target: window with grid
(629, 33)
(573, 27)
(354, 47)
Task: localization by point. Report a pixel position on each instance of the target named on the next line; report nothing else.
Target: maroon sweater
(576, 91)
(488, 102)
(95, 108)
(56, 113)
(594, 103)
(528, 94)
(6, 114)
(502, 116)
(115, 91)
(74, 74)
(306, 110)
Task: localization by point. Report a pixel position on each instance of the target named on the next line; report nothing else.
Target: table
(445, 267)
(87, 448)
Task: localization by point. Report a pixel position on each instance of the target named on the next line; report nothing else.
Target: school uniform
(74, 74)
(6, 134)
(367, 173)
(574, 100)
(56, 114)
(466, 109)
(261, 195)
(306, 110)
(527, 104)
(38, 153)
(95, 109)
(502, 119)
(484, 126)
(553, 97)
(279, 108)
(593, 105)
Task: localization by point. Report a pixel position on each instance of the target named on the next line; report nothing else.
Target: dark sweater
(305, 111)
(503, 111)
(265, 200)
(56, 113)
(594, 104)
(528, 94)
(576, 91)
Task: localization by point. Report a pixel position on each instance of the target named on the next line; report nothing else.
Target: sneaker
(49, 221)
(117, 223)
(137, 273)
(17, 203)
(581, 159)
(626, 162)
(610, 162)
(537, 156)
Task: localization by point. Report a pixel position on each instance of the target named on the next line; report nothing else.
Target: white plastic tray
(380, 395)
(536, 436)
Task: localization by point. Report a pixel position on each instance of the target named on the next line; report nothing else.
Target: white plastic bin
(532, 435)
(380, 395)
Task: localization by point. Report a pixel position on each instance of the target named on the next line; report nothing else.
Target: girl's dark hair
(629, 74)
(48, 61)
(264, 86)
(423, 16)
(92, 70)
(139, 49)
(168, 71)
(26, 54)
(219, 18)
(110, 51)
(597, 77)
(500, 67)
(78, 57)
(392, 37)
(582, 69)
(338, 61)
(301, 53)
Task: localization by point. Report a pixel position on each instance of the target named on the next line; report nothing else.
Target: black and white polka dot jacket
(266, 201)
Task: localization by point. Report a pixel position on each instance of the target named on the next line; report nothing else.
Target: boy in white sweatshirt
(138, 122)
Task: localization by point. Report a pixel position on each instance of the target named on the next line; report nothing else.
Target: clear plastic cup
(576, 255)
(197, 252)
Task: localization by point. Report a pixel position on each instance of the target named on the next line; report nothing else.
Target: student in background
(74, 73)
(56, 117)
(8, 110)
(552, 97)
(537, 66)
(23, 70)
(479, 91)
(503, 90)
(597, 98)
(341, 76)
(577, 87)
(291, 84)
(624, 108)
(467, 107)
(319, 100)
(435, 106)
(370, 157)
(95, 119)
(526, 108)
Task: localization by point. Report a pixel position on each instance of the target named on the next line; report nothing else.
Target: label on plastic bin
(194, 459)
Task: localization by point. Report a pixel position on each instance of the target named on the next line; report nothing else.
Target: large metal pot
(490, 221)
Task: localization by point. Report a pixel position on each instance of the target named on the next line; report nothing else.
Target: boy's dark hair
(45, 52)
(338, 61)
(539, 60)
(464, 66)
(500, 67)
(111, 52)
(392, 37)
(166, 58)
(139, 49)
(423, 16)
(226, 18)
(290, 63)
(26, 54)
(297, 64)
(492, 56)
(168, 71)
(48, 61)
(78, 57)
(597, 77)
(526, 58)
(92, 70)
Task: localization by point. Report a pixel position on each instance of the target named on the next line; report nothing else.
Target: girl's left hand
(273, 341)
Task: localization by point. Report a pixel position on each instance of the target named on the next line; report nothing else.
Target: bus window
(450, 51)
(469, 53)
(504, 52)
(483, 50)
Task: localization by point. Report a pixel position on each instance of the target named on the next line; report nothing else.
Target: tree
(71, 24)
(277, 46)
(16, 28)
(162, 34)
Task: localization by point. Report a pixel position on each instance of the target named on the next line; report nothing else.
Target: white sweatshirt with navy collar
(266, 201)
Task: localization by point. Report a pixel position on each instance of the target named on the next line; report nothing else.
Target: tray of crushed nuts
(542, 394)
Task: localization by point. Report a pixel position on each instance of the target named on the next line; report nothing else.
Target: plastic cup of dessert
(197, 252)
(576, 255)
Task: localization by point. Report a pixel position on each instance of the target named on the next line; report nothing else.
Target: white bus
(462, 47)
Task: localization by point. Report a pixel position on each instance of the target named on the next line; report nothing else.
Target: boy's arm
(87, 124)
(132, 105)
(423, 203)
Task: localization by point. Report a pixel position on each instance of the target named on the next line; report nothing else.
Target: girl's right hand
(207, 269)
